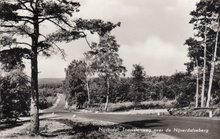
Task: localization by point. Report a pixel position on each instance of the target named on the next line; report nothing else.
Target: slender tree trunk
(1, 113)
(76, 101)
(162, 92)
(161, 95)
(34, 96)
(107, 95)
(34, 77)
(197, 84)
(88, 91)
(212, 68)
(204, 70)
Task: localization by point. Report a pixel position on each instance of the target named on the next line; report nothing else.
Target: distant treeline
(180, 87)
(164, 88)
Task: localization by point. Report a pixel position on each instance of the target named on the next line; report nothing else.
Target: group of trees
(22, 37)
(101, 60)
(204, 48)
(137, 88)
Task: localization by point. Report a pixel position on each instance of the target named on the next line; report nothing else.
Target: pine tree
(23, 37)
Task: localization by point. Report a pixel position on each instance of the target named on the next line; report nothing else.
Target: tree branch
(61, 50)
(46, 18)
(17, 27)
(24, 43)
(57, 24)
(25, 6)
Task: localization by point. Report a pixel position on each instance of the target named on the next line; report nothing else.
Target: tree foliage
(138, 82)
(22, 36)
(105, 60)
(15, 96)
(75, 82)
(205, 19)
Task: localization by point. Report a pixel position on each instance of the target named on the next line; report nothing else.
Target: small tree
(75, 81)
(106, 61)
(15, 97)
(195, 53)
(138, 82)
(89, 72)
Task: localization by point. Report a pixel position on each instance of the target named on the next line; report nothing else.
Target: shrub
(182, 101)
(217, 113)
(15, 96)
(138, 106)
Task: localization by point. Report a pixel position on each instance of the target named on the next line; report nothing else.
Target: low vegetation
(192, 112)
(48, 94)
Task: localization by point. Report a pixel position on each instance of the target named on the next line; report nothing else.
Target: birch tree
(106, 61)
(202, 19)
(195, 53)
(213, 62)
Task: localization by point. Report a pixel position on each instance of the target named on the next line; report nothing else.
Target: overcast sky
(152, 34)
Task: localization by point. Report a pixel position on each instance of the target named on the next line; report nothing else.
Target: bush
(81, 99)
(14, 97)
(189, 112)
(139, 106)
(47, 96)
(182, 101)
(44, 104)
(216, 113)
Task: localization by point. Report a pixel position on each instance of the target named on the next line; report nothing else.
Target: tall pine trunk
(34, 96)
(212, 68)
(204, 70)
(197, 84)
(107, 95)
(34, 77)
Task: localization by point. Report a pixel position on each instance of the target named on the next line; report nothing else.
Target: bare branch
(46, 18)
(24, 43)
(25, 6)
(17, 27)
(26, 17)
(57, 24)
(86, 39)
(59, 49)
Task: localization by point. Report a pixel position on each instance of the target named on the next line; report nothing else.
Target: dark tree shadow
(85, 129)
(153, 123)
(9, 125)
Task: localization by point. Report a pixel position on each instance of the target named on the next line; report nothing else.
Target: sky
(152, 34)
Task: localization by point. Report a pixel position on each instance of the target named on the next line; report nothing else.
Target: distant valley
(50, 80)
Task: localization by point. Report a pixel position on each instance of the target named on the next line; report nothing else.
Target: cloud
(152, 33)
(158, 57)
(106, 9)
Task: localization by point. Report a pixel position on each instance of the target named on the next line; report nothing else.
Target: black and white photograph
(109, 69)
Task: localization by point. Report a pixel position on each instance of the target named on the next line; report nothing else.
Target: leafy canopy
(22, 23)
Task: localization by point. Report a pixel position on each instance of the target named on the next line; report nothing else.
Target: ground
(59, 123)
(77, 128)
(62, 124)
